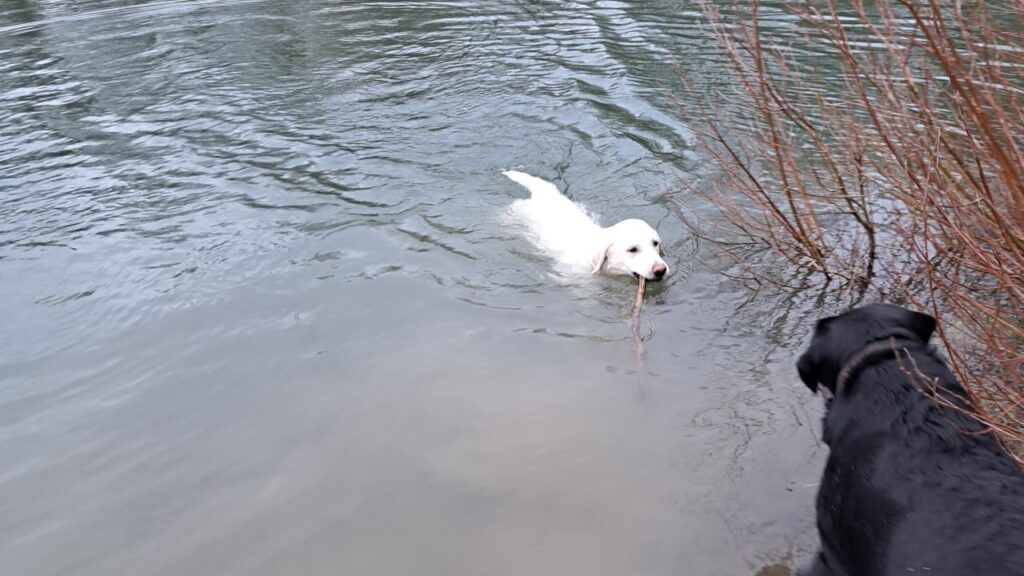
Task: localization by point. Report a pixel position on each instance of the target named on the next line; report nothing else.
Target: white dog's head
(633, 247)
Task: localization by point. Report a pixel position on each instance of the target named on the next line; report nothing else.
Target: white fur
(565, 231)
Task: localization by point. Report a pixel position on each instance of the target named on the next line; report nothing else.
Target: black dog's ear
(922, 324)
(808, 372)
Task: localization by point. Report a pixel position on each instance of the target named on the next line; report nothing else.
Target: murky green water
(261, 315)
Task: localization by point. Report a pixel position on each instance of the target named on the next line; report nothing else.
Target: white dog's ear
(661, 249)
(600, 259)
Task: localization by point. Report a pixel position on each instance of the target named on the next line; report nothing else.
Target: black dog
(913, 484)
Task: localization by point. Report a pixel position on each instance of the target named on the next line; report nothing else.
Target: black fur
(911, 486)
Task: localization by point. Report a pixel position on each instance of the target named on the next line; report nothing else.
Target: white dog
(564, 230)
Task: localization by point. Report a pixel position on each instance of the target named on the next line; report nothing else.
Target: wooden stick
(639, 298)
(638, 342)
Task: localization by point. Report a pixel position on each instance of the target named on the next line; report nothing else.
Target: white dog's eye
(633, 250)
(655, 243)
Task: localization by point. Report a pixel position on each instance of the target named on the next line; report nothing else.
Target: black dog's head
(838, 338)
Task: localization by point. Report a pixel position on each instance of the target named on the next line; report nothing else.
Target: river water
(262, 313)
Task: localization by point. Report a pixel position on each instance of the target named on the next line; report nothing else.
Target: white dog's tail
(536, 186)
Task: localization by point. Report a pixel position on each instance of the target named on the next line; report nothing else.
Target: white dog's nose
(659, 270)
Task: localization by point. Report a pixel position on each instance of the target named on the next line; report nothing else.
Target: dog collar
(891, 346)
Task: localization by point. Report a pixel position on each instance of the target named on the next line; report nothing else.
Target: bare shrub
(907, 182)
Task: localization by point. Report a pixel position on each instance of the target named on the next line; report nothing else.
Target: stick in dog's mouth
(638, 342)
(639, 296)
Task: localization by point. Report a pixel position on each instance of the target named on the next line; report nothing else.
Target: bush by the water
(907, 183)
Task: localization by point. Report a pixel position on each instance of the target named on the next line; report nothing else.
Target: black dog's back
(913, 484)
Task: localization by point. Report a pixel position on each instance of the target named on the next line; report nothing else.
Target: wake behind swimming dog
(563, 229)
